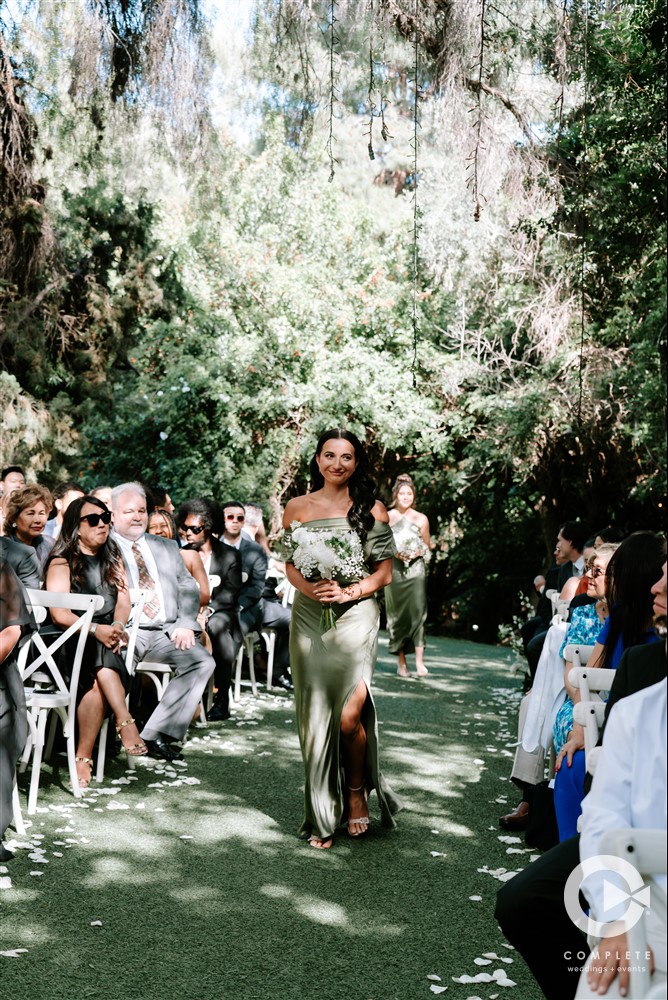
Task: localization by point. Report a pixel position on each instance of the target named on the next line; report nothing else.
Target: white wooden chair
(646, 851)
(47, 691)
(590, 710)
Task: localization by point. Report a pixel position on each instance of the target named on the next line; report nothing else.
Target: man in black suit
(22, 559)
(169, 625)
(530, 908)
(253, 567)
(196, 519)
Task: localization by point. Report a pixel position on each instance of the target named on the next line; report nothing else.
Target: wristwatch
(91, 630)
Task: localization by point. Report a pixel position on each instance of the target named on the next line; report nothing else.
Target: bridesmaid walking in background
(406, 596)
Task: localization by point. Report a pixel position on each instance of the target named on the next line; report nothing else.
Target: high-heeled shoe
(360, 820)
(83, 782)
(137, 749)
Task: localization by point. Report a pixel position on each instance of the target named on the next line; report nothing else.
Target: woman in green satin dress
(332, 670)
(406, 596)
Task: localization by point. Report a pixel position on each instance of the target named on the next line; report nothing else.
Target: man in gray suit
(169, 626)
(23, 560)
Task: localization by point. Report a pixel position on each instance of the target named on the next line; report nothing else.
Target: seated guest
(169, 626)
(26, 511)
(628, 792)
(274, 615)
(629, 576)
(23, 561)
(85, 560)
(534, 899)
(571, 538)
(253, 566)
(12, 478)
(63, 495)
(15, 622)
(102, 493)
(196, 519)
(584, 629)
(578, 585)
(162, 523)
(158, 497)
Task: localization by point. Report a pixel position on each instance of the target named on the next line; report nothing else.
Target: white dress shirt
(125, 545)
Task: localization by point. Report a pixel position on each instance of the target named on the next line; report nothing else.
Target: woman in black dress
(16, 620)
(86, 561)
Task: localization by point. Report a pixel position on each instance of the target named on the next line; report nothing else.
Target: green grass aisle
(180, 882)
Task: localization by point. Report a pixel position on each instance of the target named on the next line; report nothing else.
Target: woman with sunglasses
(86, 561)
(161, 523)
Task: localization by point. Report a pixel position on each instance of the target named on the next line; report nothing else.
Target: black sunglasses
(94, 519)
(193, 528)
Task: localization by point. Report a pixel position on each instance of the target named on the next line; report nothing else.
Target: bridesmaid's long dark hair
(361, 486)
(67, 548)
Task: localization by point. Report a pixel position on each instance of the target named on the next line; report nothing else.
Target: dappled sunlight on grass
(153, 869)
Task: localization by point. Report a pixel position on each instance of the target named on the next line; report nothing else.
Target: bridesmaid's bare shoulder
(393, 515)
(380, 513)
(295, 510)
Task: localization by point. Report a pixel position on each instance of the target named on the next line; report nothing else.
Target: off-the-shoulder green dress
(326, 669)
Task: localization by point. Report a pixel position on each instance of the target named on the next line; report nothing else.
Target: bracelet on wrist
(117, 621)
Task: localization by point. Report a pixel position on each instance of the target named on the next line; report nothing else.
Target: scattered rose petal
(14, 952)
(510, 840)
(475, 899)
(185, 836)
(434, 977)
(437, 854)
(96, 923)
(477, 760)
(57, 854)
(36, 873)
(434, 831)
(438, 989)
(5, 882)
(482, 961)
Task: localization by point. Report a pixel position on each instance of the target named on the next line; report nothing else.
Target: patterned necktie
(146, 582)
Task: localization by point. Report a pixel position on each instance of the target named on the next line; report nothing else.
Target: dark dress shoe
(283, 682)
(219, 712)
(516, 820)
(160, 750)
(5, 854)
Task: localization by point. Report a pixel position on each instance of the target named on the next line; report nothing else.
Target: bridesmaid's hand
(329, 592)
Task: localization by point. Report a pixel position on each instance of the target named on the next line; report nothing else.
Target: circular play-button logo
(622, 886)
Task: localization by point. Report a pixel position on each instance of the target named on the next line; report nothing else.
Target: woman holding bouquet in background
(339, 555)
(406, 596)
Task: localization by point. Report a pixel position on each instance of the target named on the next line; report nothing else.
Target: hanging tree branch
(333, 40)
(475, 155)
(416, 214)
(370, 100)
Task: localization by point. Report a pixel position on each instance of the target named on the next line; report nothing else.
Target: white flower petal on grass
(490, 954)
(509, 840)
(5, 882)
(482, 961)
(437, 854)
(434, 831)
(186, 836)
(96, 923)
(36, 873)
(140, 805)
(510, 947)
(14, 952)
(117, 805)
(438, 989)
(476, 899)
(478, 761)
(57, 854)
(434, 978)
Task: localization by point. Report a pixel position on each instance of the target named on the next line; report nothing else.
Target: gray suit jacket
(179, 588)
(23, 560)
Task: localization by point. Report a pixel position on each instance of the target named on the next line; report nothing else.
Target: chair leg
(270, 639)
(101, 751)
(71, 761)
(19, 825)
(250, 653)
(237, 674)
(30, 742)
(37, 761)
(48, 750)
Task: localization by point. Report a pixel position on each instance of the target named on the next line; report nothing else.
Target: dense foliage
(186, 299)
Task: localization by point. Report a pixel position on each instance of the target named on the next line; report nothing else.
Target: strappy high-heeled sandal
(83, 785)
(360, 820)
(137, 749)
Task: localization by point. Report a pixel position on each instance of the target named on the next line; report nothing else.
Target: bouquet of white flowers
(326, 555)
(411, 547)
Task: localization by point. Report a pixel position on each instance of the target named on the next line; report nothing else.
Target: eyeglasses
(94, 519)
(235, 517)
(596, 571)
(194, 529)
